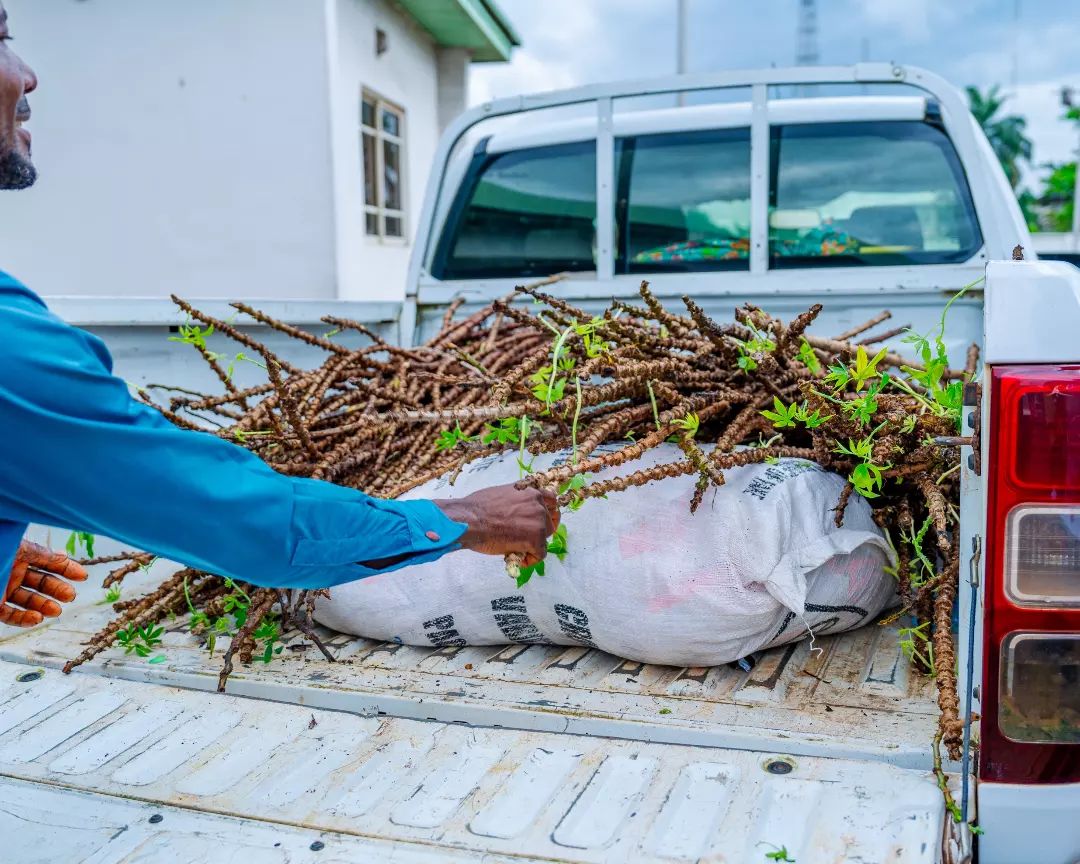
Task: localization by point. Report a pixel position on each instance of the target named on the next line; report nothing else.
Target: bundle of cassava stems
(532, 373)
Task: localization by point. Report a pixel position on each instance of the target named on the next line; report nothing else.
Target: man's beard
(16, 171)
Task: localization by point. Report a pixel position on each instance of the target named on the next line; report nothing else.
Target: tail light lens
(1031, 683)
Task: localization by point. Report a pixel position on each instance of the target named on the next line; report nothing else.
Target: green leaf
(783, 416)
(689, 424)
(450, 438)
(526, 573)
(159, 658)
(808, 357)
(557, 543)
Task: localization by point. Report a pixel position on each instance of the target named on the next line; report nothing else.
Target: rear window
(523, 213)
(684, 199)
(852, 193)
(868, 193)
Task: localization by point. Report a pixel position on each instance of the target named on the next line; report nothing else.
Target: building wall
(370, 268)
(182, 147)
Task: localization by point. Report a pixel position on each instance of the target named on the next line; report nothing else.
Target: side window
(382, 131)
(523, 213)
(890, 192)
(683, 202)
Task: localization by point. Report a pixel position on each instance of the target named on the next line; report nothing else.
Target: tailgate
(236, 779)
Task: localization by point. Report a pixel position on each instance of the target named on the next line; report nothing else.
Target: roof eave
(476, 25)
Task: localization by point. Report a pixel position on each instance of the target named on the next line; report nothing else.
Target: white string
(806, 624)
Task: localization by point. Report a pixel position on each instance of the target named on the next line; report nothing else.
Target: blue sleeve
(79, 453)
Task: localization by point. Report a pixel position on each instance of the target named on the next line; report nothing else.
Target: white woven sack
(761, 563)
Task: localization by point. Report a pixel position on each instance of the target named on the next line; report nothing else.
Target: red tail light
(1031, 684)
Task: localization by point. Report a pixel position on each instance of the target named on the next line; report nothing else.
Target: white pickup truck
(543, 753)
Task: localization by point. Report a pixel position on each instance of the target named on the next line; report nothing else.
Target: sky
(1029, 47)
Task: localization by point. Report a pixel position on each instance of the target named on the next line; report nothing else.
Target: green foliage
(556, 546)
(922, 569)
(450, 438)
(783, 416)
(192, 334)
(236, 605)
(112, 595)
(1006, 134)
(574, 486)
(808, 357)
(547, 386)
(652, 401)
(80, 542)
(269, 633)
(758, 343)
(916, 645)
(506, 430)
(139, 640)
(1058, 191)
(689, 425)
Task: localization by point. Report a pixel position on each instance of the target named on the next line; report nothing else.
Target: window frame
(381, 137)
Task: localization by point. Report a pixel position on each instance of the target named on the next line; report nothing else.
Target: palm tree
(1006, 134)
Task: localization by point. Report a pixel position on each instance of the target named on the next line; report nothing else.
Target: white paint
(1014, 316)
(182, 147)
(371, 268)
(212, 149)
(1022, 819)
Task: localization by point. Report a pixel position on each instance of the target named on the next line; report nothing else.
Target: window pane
(391, 175)
(1039, 698)
(393, 227)
(367, 113)
(688, 201)
(530, 212)
(391, 122)
(868, 193)
(371, 171)
(371, 224)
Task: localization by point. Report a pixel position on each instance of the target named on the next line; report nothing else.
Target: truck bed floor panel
(131, 771)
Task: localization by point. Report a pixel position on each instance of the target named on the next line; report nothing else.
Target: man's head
(16, 80)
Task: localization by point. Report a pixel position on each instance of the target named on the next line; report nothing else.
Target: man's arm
(80, 453)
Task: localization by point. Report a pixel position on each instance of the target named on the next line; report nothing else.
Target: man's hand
(37, 586)
(504, 520)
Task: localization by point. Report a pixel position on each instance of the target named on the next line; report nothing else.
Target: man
(79, 453)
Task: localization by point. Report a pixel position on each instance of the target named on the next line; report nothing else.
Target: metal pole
(680, 45)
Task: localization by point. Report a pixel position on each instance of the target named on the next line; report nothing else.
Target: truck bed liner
(128, 772)
(853, 696)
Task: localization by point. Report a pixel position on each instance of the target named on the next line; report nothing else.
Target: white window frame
(380, 136)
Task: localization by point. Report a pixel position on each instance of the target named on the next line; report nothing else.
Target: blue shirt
(78, 452)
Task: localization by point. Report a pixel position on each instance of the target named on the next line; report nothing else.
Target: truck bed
(854, 696)
(406, 754)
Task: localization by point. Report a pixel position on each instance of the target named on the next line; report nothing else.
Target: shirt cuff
(430, 529)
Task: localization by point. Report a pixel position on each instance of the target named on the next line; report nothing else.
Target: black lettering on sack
(774, 475)
(828, 623)
(854, 610)
(513, 620)
(574, 623)
(440, 632)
